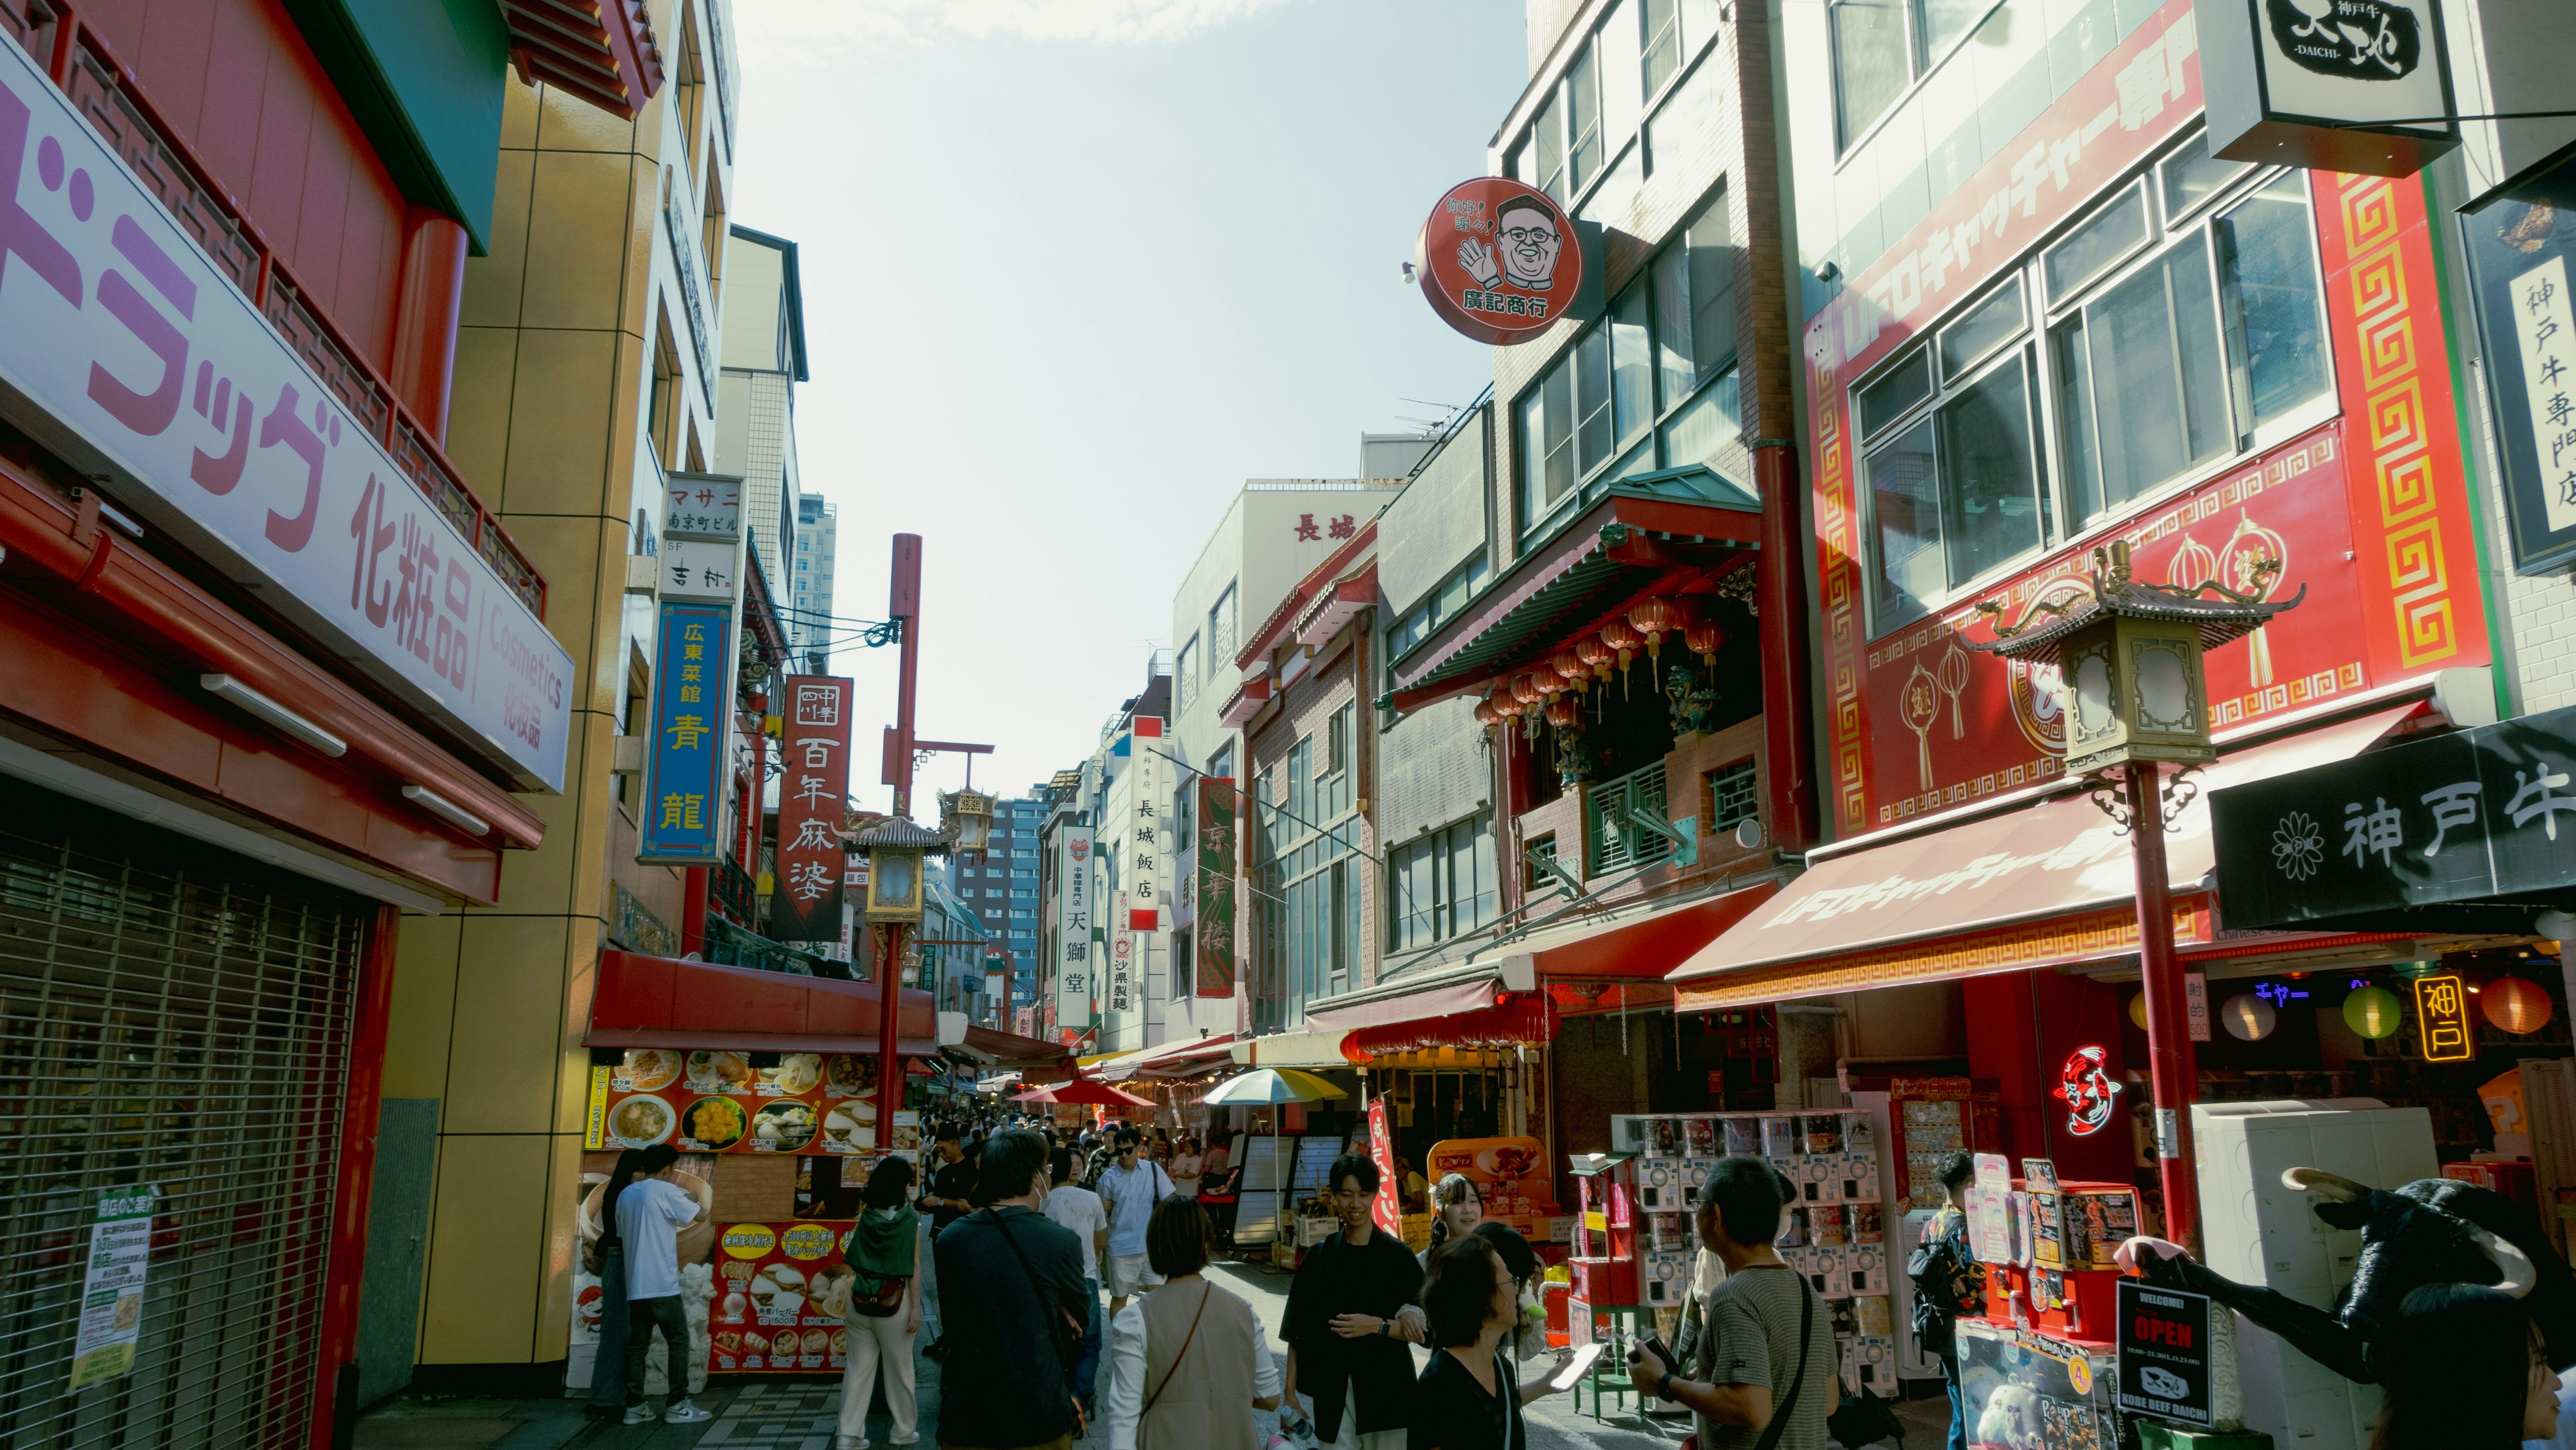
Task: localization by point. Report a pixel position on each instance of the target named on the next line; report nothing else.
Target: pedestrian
(608, 1365)
(1346, 1327)
(1528, 1338)
(1012, 1282)
(1457, 1206)
(1187, 1363)
(650, 1212)
(2465, 1370)
(1184, 1167)
(1079, 1209)
(1469, 1396)
(1214, 1162)
(1130, 1190)
(1753, 1362)
(952, 1180)
(1098, 1160)
(1948, 1282)
(1409, 1185)
(884, 1250)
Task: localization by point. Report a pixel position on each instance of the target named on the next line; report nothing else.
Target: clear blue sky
(1075, 269)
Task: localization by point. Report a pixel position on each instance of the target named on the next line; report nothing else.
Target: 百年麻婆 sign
(813, 797)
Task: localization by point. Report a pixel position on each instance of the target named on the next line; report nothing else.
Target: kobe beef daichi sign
(1499, 260)
(2332, 85)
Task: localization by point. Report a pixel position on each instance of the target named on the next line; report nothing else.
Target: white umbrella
(1270, 1086)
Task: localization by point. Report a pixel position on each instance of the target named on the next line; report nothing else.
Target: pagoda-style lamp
(966, 819)
(895, 849)
(2128, 655)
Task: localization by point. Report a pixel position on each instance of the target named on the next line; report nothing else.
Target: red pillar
(1780, 587)
(889, 1016)
(693, 911)
(2169, 1052)
(335, 1409)
(423, 366)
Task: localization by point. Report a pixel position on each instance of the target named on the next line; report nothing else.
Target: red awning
(1170, 1059)
(1009, 1049)
(2026, 888)
(1633, 944)
(1437, 999)
(1520, 1018)
(646, 1001)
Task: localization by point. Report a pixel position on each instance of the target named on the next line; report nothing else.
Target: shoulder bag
(1186, 1340)
(1067, 1339)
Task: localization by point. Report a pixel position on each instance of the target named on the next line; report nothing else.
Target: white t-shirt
(1080, 1209)
(649, 1215)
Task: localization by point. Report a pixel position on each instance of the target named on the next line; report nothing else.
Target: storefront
(767, 1084)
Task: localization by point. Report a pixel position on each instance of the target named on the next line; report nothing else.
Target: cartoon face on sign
(1493, 260)
(1526, 236)
(2088, 1091)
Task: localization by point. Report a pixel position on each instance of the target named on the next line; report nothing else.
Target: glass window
(1945, 22)
(2097, 245)
(1221, 625)
(1905, 511)
(1712, 289)
(1886, 397)
(1870, 63)
(1659, 21)
(1550, 127)
(1674, 369)
(2276, 326)
(1583, 103)
(1988, 325)
(1547, 443)
(1186, 672)
(2151, 349)
(1993, 509)
(1632, 384)
(2191, 175)
(1595, 437)
(1713, 420)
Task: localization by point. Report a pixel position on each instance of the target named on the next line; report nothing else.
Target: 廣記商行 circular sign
(1499, 260)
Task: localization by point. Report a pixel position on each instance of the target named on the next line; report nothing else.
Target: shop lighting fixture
(225, 687)
(447, 810)
(120, 518)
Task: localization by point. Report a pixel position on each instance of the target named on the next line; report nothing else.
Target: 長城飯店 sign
(124, 348)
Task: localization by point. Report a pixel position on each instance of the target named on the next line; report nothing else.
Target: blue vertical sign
(685, 775)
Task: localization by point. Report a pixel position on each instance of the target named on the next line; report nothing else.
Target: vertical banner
(813, 799)
(1146, 797)
(1073, 981)
(1122, 966)
(1215, 939)
(1387, 1210)
(692, 741)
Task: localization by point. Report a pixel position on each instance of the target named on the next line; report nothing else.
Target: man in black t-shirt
(1346, 1324)
(1014, 1293)
(952, 1180)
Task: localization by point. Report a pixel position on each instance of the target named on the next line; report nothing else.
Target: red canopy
(1083, 1090)
(643, 1001)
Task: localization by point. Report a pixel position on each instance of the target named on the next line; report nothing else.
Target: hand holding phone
(1570, 1370)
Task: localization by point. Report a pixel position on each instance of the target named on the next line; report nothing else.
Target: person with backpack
(1188, 1363)
(1948, 1282)
(885, 1307)
(1765, 1376)
(1011, 1282)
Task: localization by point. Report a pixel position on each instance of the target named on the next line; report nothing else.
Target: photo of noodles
(649, 1068)
(717, 1072)
(640, 1122)
(712, 1123)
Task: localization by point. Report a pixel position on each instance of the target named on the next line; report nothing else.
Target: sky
(1073, 270)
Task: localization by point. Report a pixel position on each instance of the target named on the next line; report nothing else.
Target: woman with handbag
(1187, 1361)
(885, 1310)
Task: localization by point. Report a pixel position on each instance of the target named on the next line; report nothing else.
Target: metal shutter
(174, 1015)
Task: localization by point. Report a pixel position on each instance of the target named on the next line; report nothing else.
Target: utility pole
(903, 606)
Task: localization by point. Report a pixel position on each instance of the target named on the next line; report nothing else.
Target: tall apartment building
(764, 360)
(810, 592)
(1002, 891)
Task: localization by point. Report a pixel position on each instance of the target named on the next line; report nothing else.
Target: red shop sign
(1499, 260)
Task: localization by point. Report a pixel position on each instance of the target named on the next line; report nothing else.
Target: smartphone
(1574, 1369)
(1649, 1344)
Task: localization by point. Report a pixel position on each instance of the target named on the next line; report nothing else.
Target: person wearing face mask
(2465, 1371)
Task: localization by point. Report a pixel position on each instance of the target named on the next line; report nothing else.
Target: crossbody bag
(1061, 1341)
(1186, 1341)
(1779, 1425)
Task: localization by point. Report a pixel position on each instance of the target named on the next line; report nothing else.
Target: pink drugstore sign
(125, 350)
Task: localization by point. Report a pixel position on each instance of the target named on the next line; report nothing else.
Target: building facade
(763, 336)
(818, 548)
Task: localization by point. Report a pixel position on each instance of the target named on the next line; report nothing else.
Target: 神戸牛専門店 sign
(123, 348)
(692, 737)
(813, 796)
(1214, 930)
(1499, 260)
(2480, 815)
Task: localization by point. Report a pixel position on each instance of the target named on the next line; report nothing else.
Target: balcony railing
(106, 95)
(1610, 810)
(735, 947)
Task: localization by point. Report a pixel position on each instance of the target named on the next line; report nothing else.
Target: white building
(764, 360)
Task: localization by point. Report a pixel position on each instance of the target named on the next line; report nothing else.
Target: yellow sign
(2442, 1011)
(749, 1241)
(598, 1133)
(809, 1241)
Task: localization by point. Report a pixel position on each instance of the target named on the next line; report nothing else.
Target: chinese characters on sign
(1073, 981)
(2517, 253)
(2442, 1012)
(125, 345)
(2543, 325)
(813, 798)
(111, 1302)
(1146, 797)
(1340, 526)
(1214, 940)
(1122, 965)
(1498, 260)
(704, 505)
(692, 736)
(697, 569)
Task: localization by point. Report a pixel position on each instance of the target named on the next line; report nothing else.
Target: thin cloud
(883, 24)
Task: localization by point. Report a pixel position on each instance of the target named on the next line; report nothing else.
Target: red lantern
(1572, 667)
(1486, 714)
(1592, 651)
(2516, 1005)
(1654, 618)
(1530, 689)
(1703, 638)
(1564, 711)
(1620, 636)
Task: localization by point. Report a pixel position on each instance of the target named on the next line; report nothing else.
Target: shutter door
(176, 1016)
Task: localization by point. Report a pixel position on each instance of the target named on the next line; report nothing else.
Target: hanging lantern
(1564, 712)
(1594, 651)
(2373, 1012)
(1703, 637)
(1571, 667)
(1620, 636)
(2516, 1005)
(2249, 1018)
(1529, 690)
(1486, 714)
(2138, 1010)
(1655, 618)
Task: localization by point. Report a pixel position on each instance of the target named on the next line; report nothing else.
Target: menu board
(782, 1291)
(717, 1102)
(1510, 1175)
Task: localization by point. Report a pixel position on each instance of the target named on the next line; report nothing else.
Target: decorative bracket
(2108, 796)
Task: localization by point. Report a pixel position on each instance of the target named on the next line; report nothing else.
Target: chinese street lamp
(966, 818)
(2134, 698)
(894, 848)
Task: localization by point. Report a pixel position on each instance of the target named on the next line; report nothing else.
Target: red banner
(1387, 1212)
(813, 800)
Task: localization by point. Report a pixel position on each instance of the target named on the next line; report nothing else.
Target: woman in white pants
(884, 1253)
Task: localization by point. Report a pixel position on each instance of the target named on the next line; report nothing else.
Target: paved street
(798, 1412)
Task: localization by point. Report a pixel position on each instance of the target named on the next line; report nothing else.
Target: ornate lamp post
(2129, 658)
(895, 849)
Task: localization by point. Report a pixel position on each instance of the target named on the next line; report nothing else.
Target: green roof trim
(425, 79)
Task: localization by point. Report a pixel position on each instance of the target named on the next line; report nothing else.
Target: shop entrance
(177, 1017)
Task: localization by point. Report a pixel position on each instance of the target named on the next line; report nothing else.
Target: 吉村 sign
(1073, 977)
(2164, 1353)
(124, 349)
(686, 755)
(1214, 939)
(2483, 814)
(2356, 86)
(813, 798)
(1499, 260)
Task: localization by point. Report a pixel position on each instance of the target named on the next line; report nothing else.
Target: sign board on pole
(1146, 797)
(685, 757)
(1121, 996)
(1214, 941)
(2164, 1353)
(1073, 980)
(1499, 260)
(124, 348)
(111, 1303)
(813, 799)
(2357, 86)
